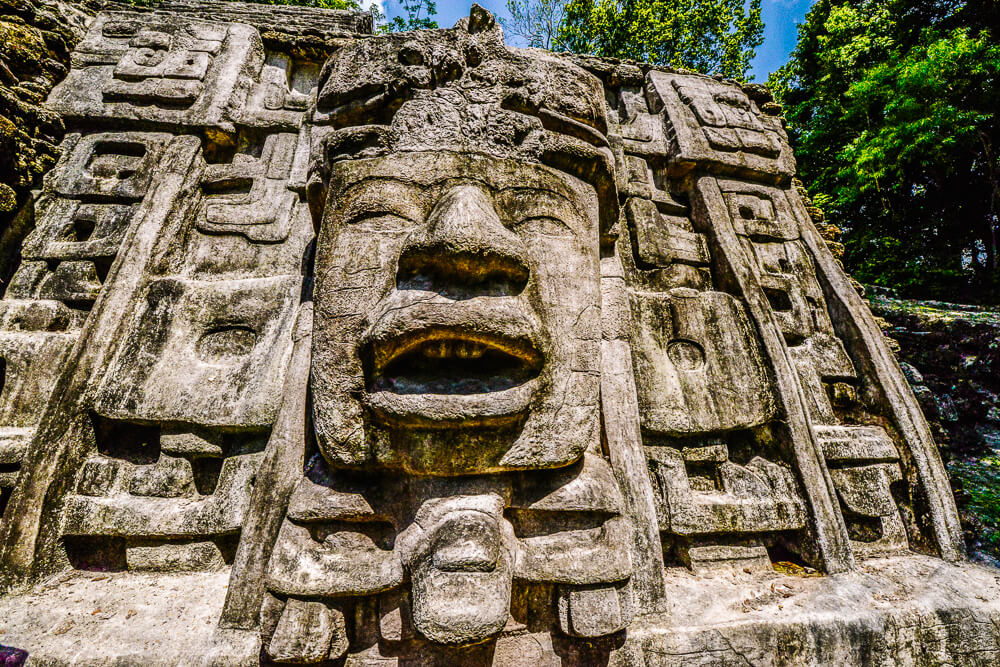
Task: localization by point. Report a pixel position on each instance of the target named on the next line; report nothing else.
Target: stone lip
(913, 610)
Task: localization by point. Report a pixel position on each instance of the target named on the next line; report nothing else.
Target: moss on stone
(23, 48)
(8, 198)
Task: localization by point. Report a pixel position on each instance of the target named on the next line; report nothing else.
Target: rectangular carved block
(204, 352)
(159, 68)
(698, 365)
(109, 166)
(715, 125)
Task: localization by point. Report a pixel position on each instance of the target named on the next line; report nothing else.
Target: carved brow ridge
(455, 181)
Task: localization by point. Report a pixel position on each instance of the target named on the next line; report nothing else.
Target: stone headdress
(462, 90)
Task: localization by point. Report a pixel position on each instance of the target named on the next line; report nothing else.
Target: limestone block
(395, 619)
(283, 91)
(250, 196)
(70, 229)
(91, 198)
(204, 352)
(715, 125)
(865, 468)
(736, 557)
(761, 496)
(662, 239)
(583, 549)
(180, 557)
(315, 502)
(247, 217)
(165, 68)
(348, 560)
(127, 515)
(71, 281)
(115, 166)
(308, 632)
(698, 364)
(458, 555)
(588, 486)
(594, 611)
(856, 443)
(169, 477)
(30, 364)
(643, 133)
(758, 211)
(104, 476)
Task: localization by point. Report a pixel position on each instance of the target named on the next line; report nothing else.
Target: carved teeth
(446, 349)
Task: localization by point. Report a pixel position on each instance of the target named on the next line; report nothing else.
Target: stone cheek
(446, 352)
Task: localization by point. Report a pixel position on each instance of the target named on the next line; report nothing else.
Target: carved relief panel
(715, 125)
(455, 354)
(196, 380)
(436, 345)
(724, 490)
(763, 218)
(775, 269)
(167, 68)
(83, 215)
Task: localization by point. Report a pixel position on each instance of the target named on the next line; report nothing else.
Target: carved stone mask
(457, 315)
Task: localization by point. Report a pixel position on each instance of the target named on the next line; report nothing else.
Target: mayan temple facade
(417, 349)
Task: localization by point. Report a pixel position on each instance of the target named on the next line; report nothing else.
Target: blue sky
(780, 20)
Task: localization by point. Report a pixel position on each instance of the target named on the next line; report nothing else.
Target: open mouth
(441, 362)
(440, 376)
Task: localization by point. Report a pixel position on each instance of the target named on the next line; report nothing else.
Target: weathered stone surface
(443, 352)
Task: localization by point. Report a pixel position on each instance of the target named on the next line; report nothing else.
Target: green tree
(713, 36)
(892, 109)
(537, 22)
(419, 15)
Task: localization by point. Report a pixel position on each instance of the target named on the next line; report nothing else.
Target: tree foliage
(712, 36)
(419, 15)
(537, 22)
(892, 107)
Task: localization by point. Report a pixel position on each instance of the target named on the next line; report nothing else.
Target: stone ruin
(417, 349)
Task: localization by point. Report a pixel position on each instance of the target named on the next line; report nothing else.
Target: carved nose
(465, 244)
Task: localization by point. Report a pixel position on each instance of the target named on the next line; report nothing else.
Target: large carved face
(457, 321)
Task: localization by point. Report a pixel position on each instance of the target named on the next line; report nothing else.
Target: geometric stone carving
(864, 468)
(34, 341)
(207, 353)
(698, 366)
(715, 123)
(165, 68)
(243, 198)
(116, 166)
(286, 88)
(704, 494)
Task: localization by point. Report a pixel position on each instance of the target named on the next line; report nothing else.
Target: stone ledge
(95, 618)
(910, 610)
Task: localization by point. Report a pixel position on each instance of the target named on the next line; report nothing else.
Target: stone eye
(379, 221)
(543, 226)
(225, 344)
